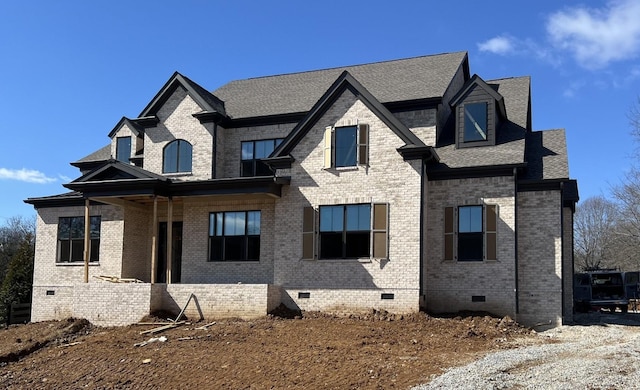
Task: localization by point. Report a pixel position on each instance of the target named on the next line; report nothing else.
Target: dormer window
(479, 113)
(177, 157)
(123, 149)
(475, 122)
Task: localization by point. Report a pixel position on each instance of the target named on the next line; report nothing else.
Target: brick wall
(346, 301)
(177, 122)
(449, 285)
(230, 144)
(387, 179)
(111, 304)
(196, 268)
(540, 257)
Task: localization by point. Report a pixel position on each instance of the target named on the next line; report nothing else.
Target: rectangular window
(470, 233)
(234, 236)
(345, 231)
(346, 146)
(123, 149)
(475, 122)
(253, 152)
(71, 239)
(470, 236)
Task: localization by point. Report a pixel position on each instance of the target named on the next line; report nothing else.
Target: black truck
(604, 289)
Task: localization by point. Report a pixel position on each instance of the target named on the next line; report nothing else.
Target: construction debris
(161, 339)
(162, 328)
(115, 279)
(204, 327)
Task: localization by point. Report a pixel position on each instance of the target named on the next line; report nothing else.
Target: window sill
(77, 264)
(177, 174)
(234, 262)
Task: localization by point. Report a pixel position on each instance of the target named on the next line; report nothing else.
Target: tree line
(17, 251)
(607, 230)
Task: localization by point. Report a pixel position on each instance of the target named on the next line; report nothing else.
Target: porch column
(87, 239)
(169, 238)
(154, 240)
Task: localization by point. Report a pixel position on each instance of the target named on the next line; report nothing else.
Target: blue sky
(71, 69)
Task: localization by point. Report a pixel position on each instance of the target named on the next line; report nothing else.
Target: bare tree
(594, 227)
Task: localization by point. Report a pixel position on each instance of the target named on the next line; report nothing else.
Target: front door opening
(176, 265)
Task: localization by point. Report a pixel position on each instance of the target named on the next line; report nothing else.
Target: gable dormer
(479, 110)
(127, 142)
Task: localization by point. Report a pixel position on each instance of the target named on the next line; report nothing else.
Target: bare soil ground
(374, 351)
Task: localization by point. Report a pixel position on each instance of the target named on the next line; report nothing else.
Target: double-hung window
(177, 157)
(71, 239)
(471, 233)
(234, 236)
(346, 146)
(348, 231)
(253, 152)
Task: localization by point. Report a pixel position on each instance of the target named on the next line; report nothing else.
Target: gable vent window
(177, 157)
(475, 122)
(346, 146)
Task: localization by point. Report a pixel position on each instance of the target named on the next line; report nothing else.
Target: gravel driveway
(602, 351)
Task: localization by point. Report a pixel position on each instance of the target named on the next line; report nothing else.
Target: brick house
(396, 185)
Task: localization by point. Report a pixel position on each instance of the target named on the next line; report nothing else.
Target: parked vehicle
(604, 289)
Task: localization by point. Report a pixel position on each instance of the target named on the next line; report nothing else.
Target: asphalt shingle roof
(547, 155)
(389, 81)
(510, 144)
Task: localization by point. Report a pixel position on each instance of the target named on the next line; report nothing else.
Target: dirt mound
(311, 350)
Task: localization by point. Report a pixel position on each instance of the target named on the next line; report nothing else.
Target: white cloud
(26, 175)
(498, 45)
(597, 37)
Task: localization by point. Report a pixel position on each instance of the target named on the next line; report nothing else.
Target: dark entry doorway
(176, 265)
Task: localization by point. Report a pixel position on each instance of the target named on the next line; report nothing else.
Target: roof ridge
(350, 66)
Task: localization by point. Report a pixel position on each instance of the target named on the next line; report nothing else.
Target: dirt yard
(374, 351)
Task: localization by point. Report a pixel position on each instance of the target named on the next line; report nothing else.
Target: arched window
(177, 157)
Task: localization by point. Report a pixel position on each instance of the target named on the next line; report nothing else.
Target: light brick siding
(196, 268)
(51, 302)
(177, 122)
(57, 277)
(450, 285)
(111, 304)
(136, 254)
(47, 270)
(387, 179)
(540, 257)
(231, 144)
(346, 301)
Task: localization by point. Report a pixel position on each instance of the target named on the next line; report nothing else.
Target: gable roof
(478, 81)
(390, 81)
(133, 126)
(510, 143)
(347, 82)
(207, 101)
